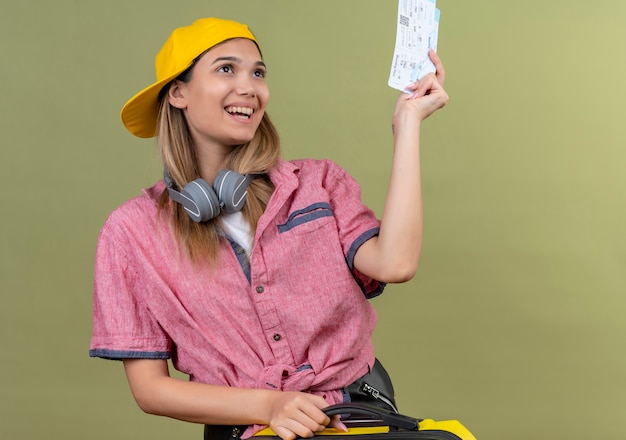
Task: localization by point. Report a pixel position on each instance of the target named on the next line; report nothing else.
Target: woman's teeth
(240, 111)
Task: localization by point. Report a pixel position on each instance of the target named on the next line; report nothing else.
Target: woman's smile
(240, 112)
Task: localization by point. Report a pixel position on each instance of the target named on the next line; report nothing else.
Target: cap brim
(140, 113)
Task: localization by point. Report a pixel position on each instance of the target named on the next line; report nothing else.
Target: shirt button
(239, 250)
(259, 289)
(277, 337)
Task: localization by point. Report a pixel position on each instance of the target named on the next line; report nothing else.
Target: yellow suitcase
(368, 422)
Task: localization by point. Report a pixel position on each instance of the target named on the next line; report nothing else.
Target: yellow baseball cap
(183, 46)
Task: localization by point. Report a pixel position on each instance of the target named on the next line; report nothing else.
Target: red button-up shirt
(295, 317)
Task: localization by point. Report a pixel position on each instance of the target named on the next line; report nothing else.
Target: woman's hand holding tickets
(427, 96)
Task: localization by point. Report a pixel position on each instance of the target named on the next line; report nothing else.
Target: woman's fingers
(441, 72)
(292, 429)
(422, 87)
(335, 422)
(298, 414)
(425, 84)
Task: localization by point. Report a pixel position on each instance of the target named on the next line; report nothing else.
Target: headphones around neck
(204, 202)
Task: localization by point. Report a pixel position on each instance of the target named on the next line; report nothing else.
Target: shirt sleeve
(357, 223)
(123, 327)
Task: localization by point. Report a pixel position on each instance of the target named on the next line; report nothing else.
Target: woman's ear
(176, 94)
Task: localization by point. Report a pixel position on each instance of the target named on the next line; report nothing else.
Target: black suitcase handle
(388, 417)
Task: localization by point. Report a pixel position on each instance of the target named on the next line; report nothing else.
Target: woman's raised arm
(393, 255)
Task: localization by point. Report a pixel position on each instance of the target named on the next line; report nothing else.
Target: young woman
(250, 272)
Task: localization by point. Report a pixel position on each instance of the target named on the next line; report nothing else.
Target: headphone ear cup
(231, 189)
(202, 203)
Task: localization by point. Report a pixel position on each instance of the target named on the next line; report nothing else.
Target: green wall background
(514, 323)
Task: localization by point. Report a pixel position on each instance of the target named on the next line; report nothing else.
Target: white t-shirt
(238, 229)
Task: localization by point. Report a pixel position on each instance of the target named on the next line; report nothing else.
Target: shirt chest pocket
(309, 219)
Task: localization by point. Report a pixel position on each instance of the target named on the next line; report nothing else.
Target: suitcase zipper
(427, 434)
(367, 388)
(400, 435)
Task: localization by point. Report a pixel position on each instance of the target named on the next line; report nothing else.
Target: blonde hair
(258, 156)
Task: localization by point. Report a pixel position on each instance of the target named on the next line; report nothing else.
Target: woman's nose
(245, 86)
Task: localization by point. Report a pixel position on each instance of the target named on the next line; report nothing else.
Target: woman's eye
(226, 69)
(259, 73)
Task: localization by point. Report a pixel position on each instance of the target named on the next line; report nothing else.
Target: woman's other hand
(295, 414)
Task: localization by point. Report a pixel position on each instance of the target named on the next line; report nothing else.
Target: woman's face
(226, 96)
